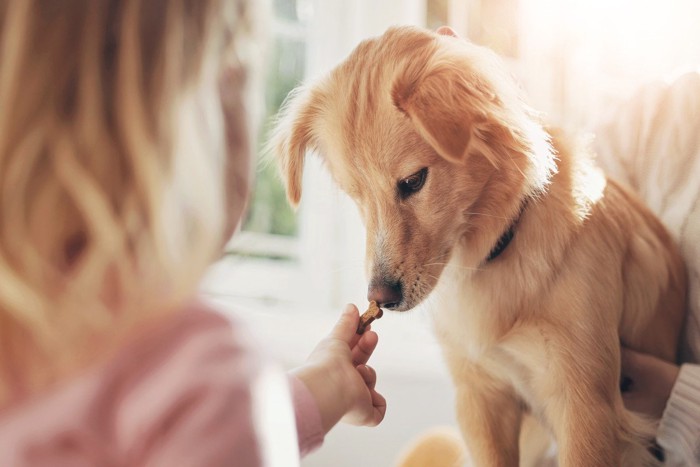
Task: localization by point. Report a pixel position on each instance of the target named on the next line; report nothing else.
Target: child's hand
(338, 377)
(648, 382)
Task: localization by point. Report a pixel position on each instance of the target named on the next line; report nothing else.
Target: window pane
(286, 71)
(286, 9)
(293, 10)
(269, 211)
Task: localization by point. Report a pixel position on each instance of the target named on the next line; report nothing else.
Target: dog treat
(372, 313)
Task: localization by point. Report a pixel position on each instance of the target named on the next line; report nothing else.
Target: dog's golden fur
(538, 329)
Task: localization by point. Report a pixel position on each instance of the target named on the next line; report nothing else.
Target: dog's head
(428, 136)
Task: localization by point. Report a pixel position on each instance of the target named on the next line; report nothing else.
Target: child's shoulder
(172, 382)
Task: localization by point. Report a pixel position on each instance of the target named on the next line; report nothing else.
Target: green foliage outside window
(269, 211)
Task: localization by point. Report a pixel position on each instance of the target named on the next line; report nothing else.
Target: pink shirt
(192, 392)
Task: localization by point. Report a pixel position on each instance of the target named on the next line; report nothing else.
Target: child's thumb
(346, 327)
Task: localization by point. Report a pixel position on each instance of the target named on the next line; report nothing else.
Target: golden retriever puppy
(536, 265)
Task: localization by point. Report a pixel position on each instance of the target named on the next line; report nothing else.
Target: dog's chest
(467, 322)
(470, 328)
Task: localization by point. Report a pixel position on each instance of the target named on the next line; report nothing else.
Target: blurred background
(289, 274)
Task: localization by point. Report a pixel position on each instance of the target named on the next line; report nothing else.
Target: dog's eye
(412, 184)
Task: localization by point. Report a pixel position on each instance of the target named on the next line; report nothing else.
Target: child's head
(115, 145)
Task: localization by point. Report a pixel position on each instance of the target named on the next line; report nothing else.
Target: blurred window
(270, 226)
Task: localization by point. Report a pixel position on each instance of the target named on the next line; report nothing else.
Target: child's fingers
(364, 348)
(368, 375)
(378, 408)
(356, 338)
(378, 402)
(346, 326)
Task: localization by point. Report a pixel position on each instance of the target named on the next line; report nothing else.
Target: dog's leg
(574, 379)
(596, 432)
(489, 415)
(574, 384)
(585, 427)
(587, 414)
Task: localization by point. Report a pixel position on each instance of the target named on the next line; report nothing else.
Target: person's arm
(663, 390)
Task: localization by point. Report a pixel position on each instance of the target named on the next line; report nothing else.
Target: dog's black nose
(386, 294)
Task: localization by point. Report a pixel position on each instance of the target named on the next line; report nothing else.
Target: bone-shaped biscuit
(372, 313)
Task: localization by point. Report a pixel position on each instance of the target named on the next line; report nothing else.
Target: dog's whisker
(455, 266)
(487, 215)
(439, 257)
(431, 276)
(465, 268)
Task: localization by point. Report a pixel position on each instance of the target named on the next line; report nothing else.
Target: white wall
(578, 59)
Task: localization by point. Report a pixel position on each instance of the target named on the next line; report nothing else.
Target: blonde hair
(112, 160)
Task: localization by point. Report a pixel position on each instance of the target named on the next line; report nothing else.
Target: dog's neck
(505, 239)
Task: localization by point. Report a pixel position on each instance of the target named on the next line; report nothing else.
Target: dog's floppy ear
(457, 110)
(291, 137)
